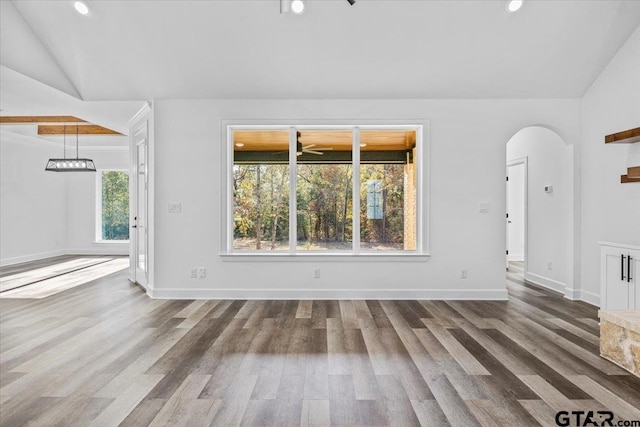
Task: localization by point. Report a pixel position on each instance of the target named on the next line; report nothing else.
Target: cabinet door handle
(629, 268)
(622, 257)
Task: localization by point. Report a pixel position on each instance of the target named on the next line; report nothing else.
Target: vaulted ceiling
(139, 50)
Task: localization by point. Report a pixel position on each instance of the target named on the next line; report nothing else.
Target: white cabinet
(619, 284)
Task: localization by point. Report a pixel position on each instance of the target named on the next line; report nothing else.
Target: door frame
(515, 162)
(141, 122)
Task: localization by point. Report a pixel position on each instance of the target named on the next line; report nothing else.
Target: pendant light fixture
(70, 165)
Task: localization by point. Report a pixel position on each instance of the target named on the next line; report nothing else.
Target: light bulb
(81, 8)
(514, 5)
(297, 7)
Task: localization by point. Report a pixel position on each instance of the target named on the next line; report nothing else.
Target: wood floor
(43, 281)
(105, 354)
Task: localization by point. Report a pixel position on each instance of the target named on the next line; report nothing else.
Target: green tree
(115, 205)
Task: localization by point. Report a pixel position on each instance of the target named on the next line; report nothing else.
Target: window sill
(325, 257)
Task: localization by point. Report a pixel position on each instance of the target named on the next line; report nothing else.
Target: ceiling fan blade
(324, 149)
(308, 146)
(313, 152)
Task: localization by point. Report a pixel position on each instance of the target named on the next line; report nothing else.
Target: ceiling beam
(39, 119)
(71, 130)
(625, 137)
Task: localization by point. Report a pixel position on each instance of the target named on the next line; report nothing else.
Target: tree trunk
(384, 204)
(274, 229)
(259, 209)
(346, 200)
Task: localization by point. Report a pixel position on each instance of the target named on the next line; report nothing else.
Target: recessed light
(239, 144)
(514, 5)
(297, 6)
(81, 8)
(363, 144)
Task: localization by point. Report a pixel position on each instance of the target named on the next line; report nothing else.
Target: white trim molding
(115, 251)
(582, 295)
(33, 257)
(140, 115)
(420, 126)
(108, 250)
(545, 282)
(331, 294)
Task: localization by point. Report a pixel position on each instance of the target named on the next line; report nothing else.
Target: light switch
(484, 207)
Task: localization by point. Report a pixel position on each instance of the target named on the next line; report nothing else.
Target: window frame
(227, 251)
(98, 214)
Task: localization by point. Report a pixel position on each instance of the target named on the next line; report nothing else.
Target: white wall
(81, 203)
(549, 219)
(32, 201)
(467, 141)
(515, 209)
(610, 210)
(44, 214)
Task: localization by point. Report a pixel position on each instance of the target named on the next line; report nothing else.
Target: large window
(324, 190)
(113, 206)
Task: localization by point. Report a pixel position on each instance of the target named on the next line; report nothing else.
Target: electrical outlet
(316, 273)
(549, 265)
(202, 272)
(464, 273)
(193, 273)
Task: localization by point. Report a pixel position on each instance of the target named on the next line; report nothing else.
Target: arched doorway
(539, 248)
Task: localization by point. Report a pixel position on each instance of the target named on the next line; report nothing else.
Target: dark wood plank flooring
(105, 354)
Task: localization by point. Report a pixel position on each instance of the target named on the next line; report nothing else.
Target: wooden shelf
(625, 137)
(633, 175)
(624, 179)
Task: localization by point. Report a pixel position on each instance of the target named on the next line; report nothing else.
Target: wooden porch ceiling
(334, 146)
(336, 140)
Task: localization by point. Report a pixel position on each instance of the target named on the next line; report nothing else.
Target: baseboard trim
(584, 296)
(545, 282)
(331, 294)
(51, 254)
(98, 251)
(33, 257)
(516, 257)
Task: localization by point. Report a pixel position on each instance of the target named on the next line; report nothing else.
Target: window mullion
(356, 189)
(293, 173)
(230, 200)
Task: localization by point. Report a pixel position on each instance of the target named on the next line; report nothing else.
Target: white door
(140, 215)
(507, 223)
(516, 210)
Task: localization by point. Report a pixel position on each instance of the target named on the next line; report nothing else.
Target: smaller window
(113, 206)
